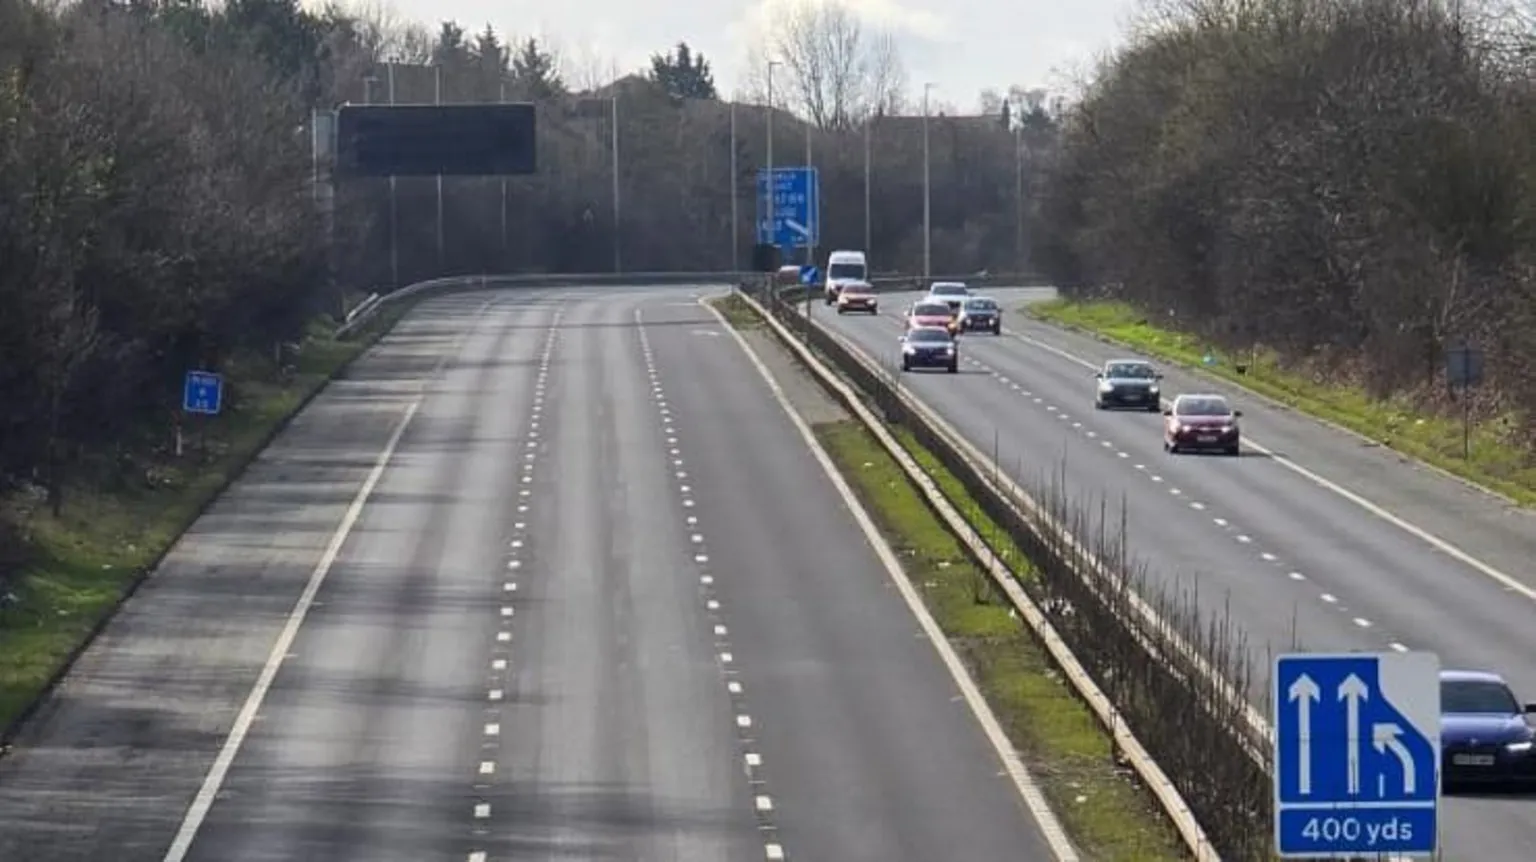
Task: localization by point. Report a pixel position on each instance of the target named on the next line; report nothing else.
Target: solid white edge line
(1050, 827)
(1373, 508)
(202, 803)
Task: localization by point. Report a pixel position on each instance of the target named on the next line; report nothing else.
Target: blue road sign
(203, 392)
(1357, 754)
(796, 219)
(809, 274)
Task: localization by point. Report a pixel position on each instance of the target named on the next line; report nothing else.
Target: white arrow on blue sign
(203, 392)
(1357, 754)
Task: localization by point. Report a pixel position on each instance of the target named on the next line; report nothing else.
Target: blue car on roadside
(1486, 736)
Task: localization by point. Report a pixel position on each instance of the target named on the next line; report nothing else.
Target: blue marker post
(202, 393)
(1357, 755)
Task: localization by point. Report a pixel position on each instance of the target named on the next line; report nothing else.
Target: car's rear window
(1477, 696)
(929, 335)
(931, 309)
(949, 289)
(1202, 407)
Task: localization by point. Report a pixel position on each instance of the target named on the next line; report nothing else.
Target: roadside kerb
(1125, 740)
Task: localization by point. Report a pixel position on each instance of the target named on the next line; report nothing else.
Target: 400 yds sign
(1367, 832)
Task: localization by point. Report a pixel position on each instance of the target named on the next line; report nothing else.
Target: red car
(1201, 423)
(926, 313)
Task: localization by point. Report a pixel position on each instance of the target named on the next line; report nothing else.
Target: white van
(844, 266)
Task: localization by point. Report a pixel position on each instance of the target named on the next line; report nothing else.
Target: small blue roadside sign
(796, 196)
(809, 274)
(203, 392)
(1357, 754)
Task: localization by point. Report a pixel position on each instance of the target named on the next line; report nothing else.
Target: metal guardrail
(369, 308)
(1009, 505)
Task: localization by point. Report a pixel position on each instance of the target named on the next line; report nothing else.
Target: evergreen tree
(534, 72)
(683, 74)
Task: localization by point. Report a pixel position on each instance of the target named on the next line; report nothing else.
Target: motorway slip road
(1279, 536)
(591, 597)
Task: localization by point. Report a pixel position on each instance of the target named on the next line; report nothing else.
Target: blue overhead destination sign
(1357, 754)
(796, 221)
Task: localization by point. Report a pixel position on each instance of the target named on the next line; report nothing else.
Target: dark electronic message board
(436, 140)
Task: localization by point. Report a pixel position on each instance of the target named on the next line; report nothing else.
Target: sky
(961, 46)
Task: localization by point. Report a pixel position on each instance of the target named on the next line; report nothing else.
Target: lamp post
(927, 193)
(773, 237)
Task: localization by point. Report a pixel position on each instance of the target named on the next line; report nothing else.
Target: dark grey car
(1129, 383)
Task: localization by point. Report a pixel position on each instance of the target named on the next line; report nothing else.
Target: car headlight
(1519, 747)
(1153, 390)
(949, 351)
(1105, 386)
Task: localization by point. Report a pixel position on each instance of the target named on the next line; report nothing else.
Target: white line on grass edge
(1029, 791)
(197, 812)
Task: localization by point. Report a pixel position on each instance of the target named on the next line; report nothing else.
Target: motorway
(1314, 539)
(548, 574)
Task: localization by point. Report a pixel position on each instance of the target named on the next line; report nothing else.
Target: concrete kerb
(1135, 753)
(1281, 405)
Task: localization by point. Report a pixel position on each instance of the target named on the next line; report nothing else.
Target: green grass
(1497, 462)
(1110, 817)
(83, 561)
(736, 311)
(1108, 814)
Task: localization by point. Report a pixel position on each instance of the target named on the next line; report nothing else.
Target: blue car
(929, 347)
(1485, 733)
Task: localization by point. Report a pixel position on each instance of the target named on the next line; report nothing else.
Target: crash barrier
(376, 302)
(1179, 684)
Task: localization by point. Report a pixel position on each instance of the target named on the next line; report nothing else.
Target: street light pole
(618, 265)
(810, 250)
(868, 122)
(773, 238)
(501, 96)
(437, 99)
(735, 223)
(394, 210)
(927, 194)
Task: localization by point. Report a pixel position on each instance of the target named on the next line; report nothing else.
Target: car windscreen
(928, 336)
(981, 305)
(845, 270)
(1476, 696)
(1131, 371)
(1202, 407)
(948, 289)
(931, 309)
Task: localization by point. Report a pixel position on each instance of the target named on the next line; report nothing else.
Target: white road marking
(706, 579)
(1297, 576)
(482, 811)
(487, 767)
(493, 730)
(494, 694)
(764, 803)
(1220, 522)
(743, 721)
(1330, 598)
(1399, 647)
(1450, 550)
(514, 564)
(1362, 622)
(477, 856)
(753, 759)
(499, 664)
(1267, 557)
(733, 687)
(1018, 773)
(727, 658)
(700, 558)
(198, 810)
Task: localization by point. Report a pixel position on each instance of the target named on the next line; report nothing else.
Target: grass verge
(1109, 815)
(1496, 463)
(737, 311)
(84, 563)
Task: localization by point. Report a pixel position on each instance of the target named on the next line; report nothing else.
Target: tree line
(159, 210)
(1347, 183)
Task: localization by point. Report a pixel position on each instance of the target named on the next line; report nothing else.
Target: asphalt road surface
(1273, 535)
(572, 587)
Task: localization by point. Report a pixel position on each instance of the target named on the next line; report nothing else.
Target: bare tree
(836, 71)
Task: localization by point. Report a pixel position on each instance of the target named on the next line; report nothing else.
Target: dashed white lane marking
(753, 760)
(1198, 506)
(202, 803)
(496, 688)
(1013, 765)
